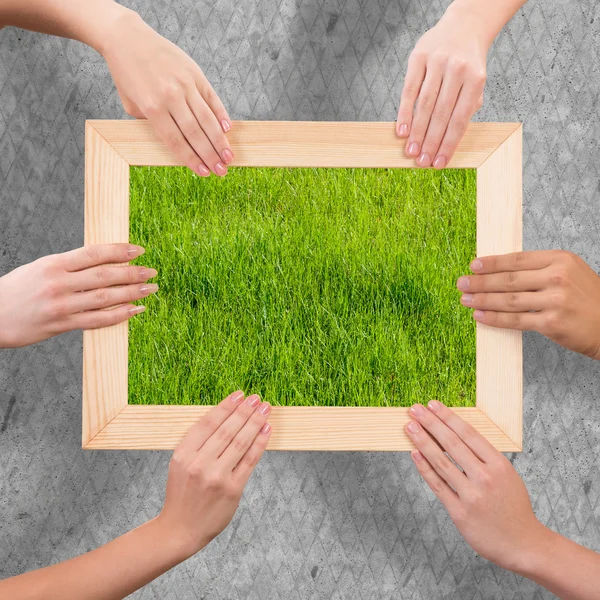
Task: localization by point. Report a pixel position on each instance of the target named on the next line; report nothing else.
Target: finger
(465, 108)
(98, 254)
(516, 261)
(520, 321)
(410, 91)
(107, 297)
(443, 466)
(245, 438)
(440, 117)
(196, 437)
(214, 102)
(246, 465)
(511, 281)
(169, 132)
(97, 319)
(425, 103)
(507, 302)
(196, 137)
(445, 494)
(106, 276)
(447, 439)
(213, 131)
(223, 436)
(466, 432)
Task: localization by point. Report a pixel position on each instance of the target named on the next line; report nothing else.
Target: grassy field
(327, 287)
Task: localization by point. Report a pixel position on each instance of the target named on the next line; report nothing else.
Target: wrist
(533, 557)
(114, 23)
(181, 541)
(478, 18)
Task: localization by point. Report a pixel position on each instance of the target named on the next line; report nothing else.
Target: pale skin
(68, 291)
(207, 475)
(155, 79)
(553, 292)
(490, 506)
(446, 75)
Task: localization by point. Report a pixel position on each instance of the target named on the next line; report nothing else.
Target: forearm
(563, 567)
(488, 17)
(112, 571)
(89, 21)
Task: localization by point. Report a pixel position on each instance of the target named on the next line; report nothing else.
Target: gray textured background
(350, 525)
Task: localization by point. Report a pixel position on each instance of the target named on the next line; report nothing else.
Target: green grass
(330, 287)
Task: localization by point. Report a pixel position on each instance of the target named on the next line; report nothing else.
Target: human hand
(487, 500)
(552, 292)
(158, 81)
(210, 468)
(446, 76)
(67, 291)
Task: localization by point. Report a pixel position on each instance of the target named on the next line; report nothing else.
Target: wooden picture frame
(494, 149)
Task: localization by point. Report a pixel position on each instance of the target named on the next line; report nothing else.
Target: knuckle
(102, 275)
(92, 252)
(101, 296)
(97, 321)
(520, 258)
(55, 310)
(551, 322)
(441, 464)
(214, 481)
(223, 434)
(171, 91)
(239, 444)
(426, 101)
(560, 276)
(514, 320)
(511, 279)
(209, 95)
(251, 459)
(568, 258)
(461, 120)
(52, 289)
(151, 107)
(457, 65)
(441, 114)
(558, 299)
(178, 457)
(479, 76)
(512, 300)
(175, 142)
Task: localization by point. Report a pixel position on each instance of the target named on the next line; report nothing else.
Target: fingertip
(476, 265)
(226, 125)
(136, 309)
(265, 429)
(402, 130)
(434, 405)
(236, 397)
(416, 456)
(478, 315)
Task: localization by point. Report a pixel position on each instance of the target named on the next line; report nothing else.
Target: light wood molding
(494, 149)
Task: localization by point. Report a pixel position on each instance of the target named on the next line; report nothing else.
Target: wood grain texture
(294, 428)
(106, 221)
(111, 146)
(304, 144)
(499, 231)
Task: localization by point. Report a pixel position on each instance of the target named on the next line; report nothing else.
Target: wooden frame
(494, 149)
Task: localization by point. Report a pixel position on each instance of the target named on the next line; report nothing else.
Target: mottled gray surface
(350, 525)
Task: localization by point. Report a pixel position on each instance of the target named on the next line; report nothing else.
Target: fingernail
(476, 265)
(226, 125)
(416, 455)
(252, 401)
(434, 405)
(203, 171)
(413, 427)
(424, 160)
(413, 149)
(220, 169)
(149, 289)
(463, 283)
(478, 314)
(266, 428)
(227, 155)
(237, 397)
(136, 310)
(416, 410)
(265, 408)
(467, 298)
(134, 251)
(148, 273)
(403, 130)
(439, 162)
